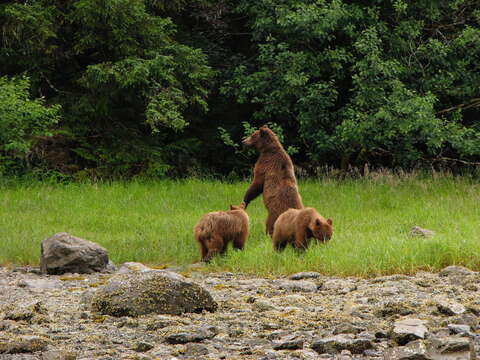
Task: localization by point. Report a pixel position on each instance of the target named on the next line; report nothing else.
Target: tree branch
(473, 103)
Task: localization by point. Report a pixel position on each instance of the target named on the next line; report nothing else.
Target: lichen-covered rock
(64, 253)
(337, 343)
(297, 285)
(305, 275)
(191, 335)
(407, 330)
(159, 292)
(24, 344)
(450, 307)
(454, 270)
(415, 350)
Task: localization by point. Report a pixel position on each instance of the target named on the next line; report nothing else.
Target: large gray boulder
(160, 292)
(64, 253)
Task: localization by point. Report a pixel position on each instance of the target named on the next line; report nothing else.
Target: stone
(455, 270)
(192, 335)
(450, 307)
(40, 284)
(395, 308)
(415, 350)
(407, 330)
(159, 292)
(305, 275)
(132, 267)
(335, 344)
(25, 312)
(195, 349)
(418, 231)
(142, 346)
(263, 305)
(291, 342)
(24, 344)
(452, 347)
(64, 253)
(347, 328)
(296, 285)
(462, 330)
(59, 355)
(443, 348)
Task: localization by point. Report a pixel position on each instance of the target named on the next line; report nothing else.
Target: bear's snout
(247, 142)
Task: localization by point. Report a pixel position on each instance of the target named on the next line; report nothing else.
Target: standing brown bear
(216, 229)
(298, 226)
(273, 175)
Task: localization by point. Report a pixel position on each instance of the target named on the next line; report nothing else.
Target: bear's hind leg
(239, 241)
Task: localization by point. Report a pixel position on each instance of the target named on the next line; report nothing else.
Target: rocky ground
(304, 316)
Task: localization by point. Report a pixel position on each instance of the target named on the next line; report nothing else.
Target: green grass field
(152, 222)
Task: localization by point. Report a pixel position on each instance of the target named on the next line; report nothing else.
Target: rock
(192, 335)
(142, 346)
(407, 330)
(347, 328)
(462, 330)
(296, 285)
(63, 253)
(305, 275)
(454, 270)
(263, 305)
(395, 308)
(194, 349)
(59, 355)
(414, 350)
(335, 344)
(40, 284)
(458, 348)
(418, 231)
(291, 342)
(159, 292)
(450, 307)
(25, 312)
(24, 344)
(340, 286)
(132, 267)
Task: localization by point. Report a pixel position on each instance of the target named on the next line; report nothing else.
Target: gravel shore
(303, 316)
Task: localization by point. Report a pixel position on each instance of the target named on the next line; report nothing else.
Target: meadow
(152, 222)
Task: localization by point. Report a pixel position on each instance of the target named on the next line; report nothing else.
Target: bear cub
(216, 229)
(273, 176)
(298, 226)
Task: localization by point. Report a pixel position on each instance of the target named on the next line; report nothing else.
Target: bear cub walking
(216, 229)
(298, 226)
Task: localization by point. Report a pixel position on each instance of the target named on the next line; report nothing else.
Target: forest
(114, 89)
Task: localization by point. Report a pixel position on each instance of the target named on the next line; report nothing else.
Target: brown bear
(216, 229)
(273, 175)
(298, 226)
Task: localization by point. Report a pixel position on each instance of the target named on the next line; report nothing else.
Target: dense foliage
(22, 120)
(156, 88)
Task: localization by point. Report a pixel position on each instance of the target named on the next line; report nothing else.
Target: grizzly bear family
(288, 221)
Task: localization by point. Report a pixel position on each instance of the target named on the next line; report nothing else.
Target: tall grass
(152, 223)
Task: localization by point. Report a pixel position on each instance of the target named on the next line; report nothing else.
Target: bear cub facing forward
(298, 226)
(216, 229)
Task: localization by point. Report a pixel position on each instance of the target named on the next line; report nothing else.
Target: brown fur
(273, 175)
(216, 229)
(298, 226)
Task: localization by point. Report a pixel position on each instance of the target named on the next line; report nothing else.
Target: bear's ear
(318, 222)
(232, 207)
(263, 130)
(330, 222)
